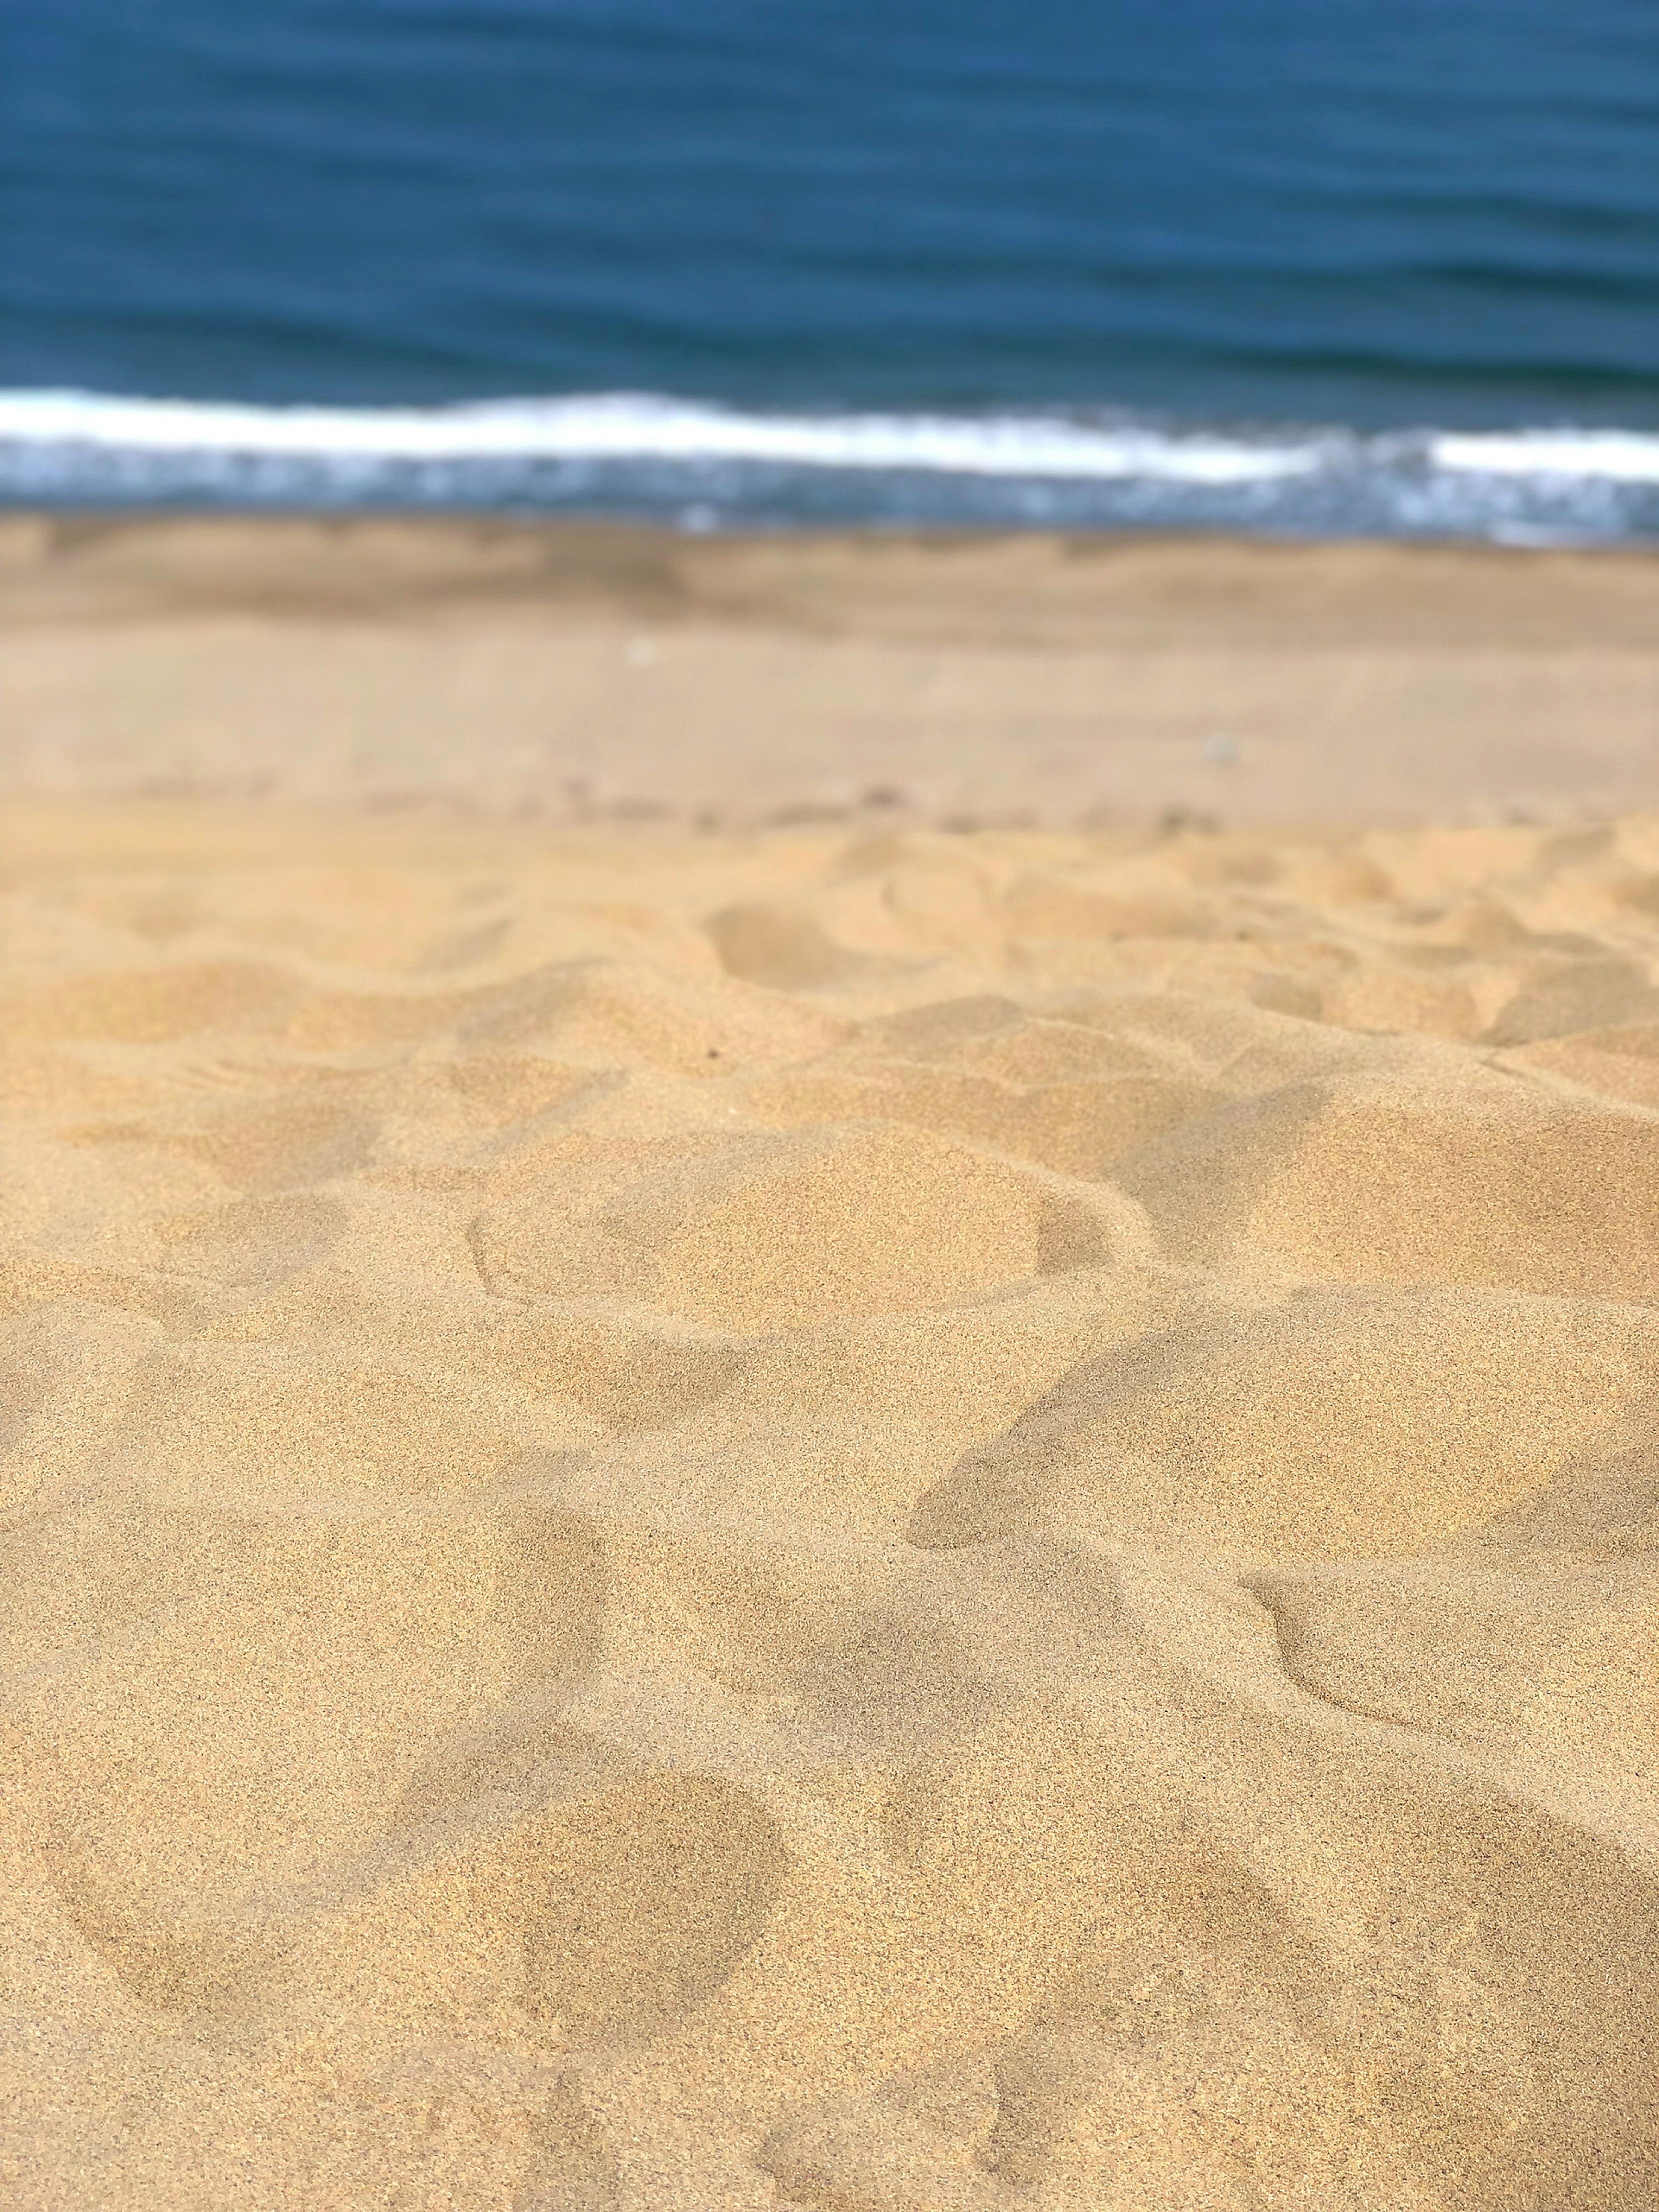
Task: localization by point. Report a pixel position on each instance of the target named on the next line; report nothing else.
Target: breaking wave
(706, 467)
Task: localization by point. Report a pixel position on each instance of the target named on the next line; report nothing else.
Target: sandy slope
(861, 1520)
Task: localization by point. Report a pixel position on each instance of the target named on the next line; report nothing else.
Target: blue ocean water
(1305, 265)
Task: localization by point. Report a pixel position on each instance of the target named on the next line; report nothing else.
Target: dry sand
(842, 1517)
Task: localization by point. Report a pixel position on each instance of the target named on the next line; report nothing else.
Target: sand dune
(858, 1519)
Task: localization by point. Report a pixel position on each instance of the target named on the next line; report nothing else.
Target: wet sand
(581, 670)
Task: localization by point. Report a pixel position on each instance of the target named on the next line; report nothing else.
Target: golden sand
(844, 1517)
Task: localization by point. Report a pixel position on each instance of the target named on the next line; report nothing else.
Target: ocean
(1305, 267)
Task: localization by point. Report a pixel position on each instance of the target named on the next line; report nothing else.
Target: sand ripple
(904, 1523)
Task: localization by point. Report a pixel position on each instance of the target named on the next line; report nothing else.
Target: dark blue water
(1316, 232)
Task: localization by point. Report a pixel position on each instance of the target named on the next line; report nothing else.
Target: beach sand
(719, 1493)
(582, 672)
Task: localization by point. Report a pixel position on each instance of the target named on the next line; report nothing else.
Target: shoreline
(564, 671)
(106, 562)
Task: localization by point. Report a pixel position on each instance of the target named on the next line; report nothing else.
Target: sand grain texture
(869, 1523)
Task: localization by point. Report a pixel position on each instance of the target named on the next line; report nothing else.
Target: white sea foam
(627, 426)
(706, 465)
(1621, 456)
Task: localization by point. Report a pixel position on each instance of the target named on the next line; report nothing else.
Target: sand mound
(1350, 1424)
(854, 1522)
(1483, 1182)
(756, 1233)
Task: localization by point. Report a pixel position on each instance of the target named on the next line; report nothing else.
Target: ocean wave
(1629, 456)
(709, 464)
(625, 426)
